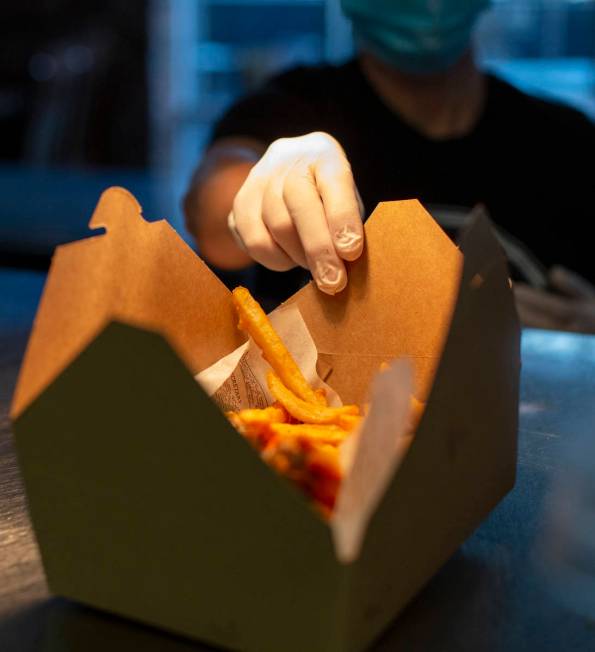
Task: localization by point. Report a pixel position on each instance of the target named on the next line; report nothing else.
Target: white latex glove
(573, 309)
(300, 206)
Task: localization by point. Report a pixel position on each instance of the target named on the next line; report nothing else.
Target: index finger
(342, 206)
(303, 202)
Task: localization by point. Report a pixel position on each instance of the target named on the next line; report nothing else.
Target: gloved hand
(573, 309)
(299, 206)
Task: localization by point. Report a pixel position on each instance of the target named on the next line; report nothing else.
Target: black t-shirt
(528, 161)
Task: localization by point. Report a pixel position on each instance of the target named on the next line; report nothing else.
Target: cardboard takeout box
(147, 503)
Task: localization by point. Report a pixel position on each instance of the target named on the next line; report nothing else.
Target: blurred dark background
(73, 83)
(98, 93)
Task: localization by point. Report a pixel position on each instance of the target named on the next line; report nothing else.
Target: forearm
(210, 198)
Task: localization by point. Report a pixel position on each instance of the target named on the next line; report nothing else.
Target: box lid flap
(139, 272)
(462, 459)
(398, 301)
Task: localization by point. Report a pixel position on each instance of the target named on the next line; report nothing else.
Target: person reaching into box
(282, 188)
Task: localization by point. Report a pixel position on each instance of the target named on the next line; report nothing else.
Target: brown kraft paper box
(148, 504)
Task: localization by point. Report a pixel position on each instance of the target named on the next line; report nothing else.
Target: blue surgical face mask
(415, 36)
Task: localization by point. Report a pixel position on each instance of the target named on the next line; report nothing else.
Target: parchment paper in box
(139, 273)
(238, 380)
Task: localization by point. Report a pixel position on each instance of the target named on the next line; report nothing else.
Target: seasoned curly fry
(299, 435)
(312, 466)
(255, 423)
(349, 422)
(321, 394)
(303, 411)
(255, 416)
(324, 434)
(254, 321)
